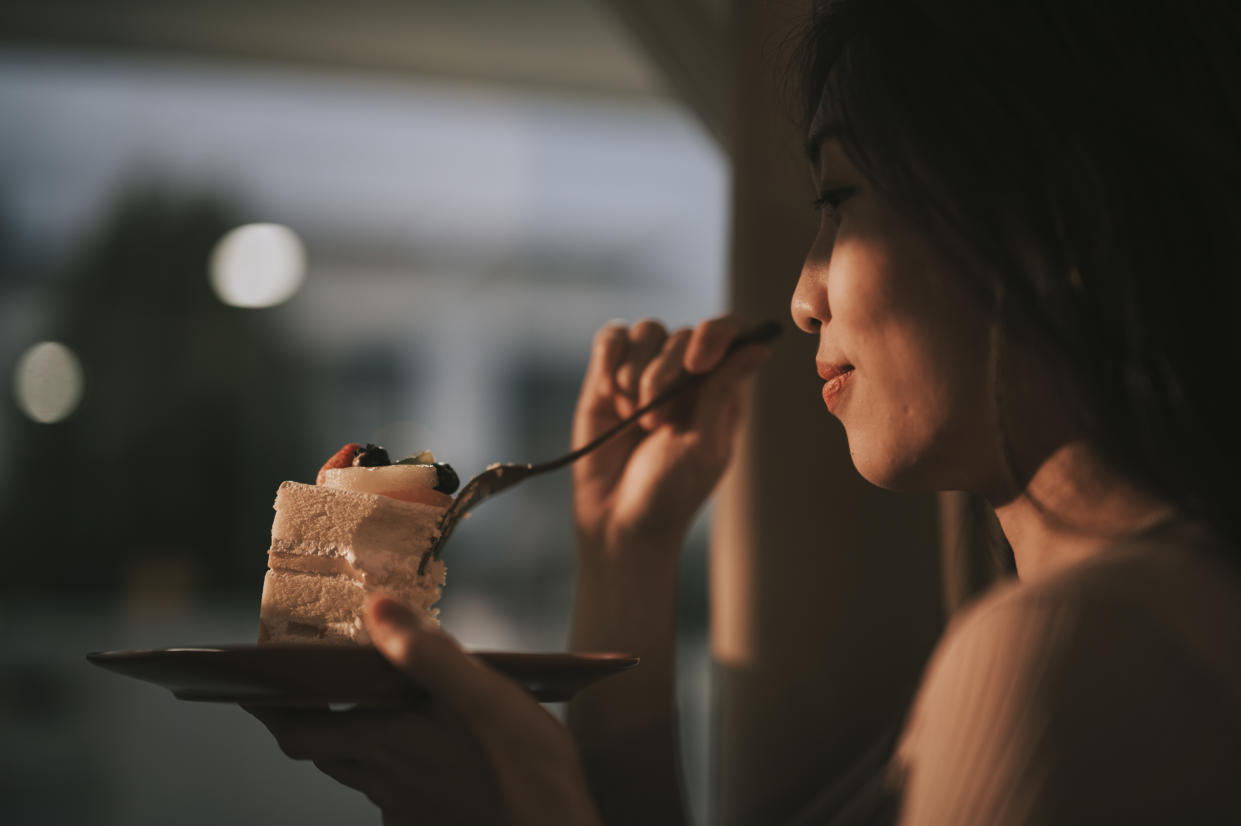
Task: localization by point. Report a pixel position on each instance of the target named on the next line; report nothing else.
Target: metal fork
(500, 477)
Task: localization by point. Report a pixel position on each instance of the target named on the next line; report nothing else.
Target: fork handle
(761, 333)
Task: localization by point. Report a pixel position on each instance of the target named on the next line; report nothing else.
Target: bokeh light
(258, 265)
(48, 382)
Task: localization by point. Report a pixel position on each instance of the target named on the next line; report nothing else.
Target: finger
(719, 393)
(356, 774)
(596, 409)
(307, 735)
(710, 341)
(282, 723)
(646, 338)
(323, 735)
(606, 352)
(436, 662)
(369, 778)
(666, 368)
(402, 798)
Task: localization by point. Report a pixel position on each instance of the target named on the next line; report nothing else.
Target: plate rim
(609, 659)
(549, 676)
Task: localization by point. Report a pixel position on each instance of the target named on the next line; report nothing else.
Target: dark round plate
(316, 675)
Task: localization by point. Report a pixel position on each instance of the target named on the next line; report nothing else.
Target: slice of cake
(364, 526)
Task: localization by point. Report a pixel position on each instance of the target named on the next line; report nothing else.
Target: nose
(809, 305)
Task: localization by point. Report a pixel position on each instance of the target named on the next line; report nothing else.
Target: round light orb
(258, 265)
(48, 382)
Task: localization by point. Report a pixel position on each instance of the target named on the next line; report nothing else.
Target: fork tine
(482, 487)
(503, 476)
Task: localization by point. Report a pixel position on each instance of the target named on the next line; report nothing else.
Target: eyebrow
(820, 133)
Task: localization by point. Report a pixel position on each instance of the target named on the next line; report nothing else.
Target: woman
(1021, 286)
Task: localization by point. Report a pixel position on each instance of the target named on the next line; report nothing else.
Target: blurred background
(234, 236)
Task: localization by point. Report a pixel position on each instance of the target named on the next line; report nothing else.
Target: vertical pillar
(825, 590)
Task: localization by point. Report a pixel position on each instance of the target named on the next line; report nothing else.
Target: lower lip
(833, 388)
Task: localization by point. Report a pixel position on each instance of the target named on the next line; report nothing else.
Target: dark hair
(1081, 159)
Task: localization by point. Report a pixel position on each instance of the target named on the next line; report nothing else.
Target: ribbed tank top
(1108, 692)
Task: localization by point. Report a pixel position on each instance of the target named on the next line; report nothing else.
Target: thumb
(437, 663)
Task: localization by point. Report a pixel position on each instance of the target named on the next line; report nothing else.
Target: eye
(831, 200)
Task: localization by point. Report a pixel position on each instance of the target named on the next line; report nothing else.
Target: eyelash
(832, 199)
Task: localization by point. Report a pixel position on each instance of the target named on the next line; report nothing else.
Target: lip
(827, 372)
(836, 379)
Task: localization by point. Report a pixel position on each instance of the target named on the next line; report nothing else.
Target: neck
(1073, 507)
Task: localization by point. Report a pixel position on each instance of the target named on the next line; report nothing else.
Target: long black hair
(1082, 159)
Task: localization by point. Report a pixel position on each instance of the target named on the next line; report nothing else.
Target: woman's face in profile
(903, 345)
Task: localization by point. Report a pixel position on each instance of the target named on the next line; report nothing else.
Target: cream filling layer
(330, 565)
(373, 567)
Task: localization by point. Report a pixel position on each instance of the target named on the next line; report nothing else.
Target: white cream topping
(381, 479)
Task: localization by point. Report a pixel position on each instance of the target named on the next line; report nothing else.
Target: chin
(897, 466)
(894, 479)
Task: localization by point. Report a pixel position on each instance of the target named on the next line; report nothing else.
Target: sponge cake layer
(329, 547)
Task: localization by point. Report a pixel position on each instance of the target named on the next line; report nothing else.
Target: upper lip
(827, 372)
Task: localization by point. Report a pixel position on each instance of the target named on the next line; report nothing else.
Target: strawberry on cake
(364, 525)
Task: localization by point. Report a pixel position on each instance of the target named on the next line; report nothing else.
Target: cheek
(905, 417)
(919, 400)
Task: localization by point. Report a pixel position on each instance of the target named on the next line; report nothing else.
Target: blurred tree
(189, 420)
